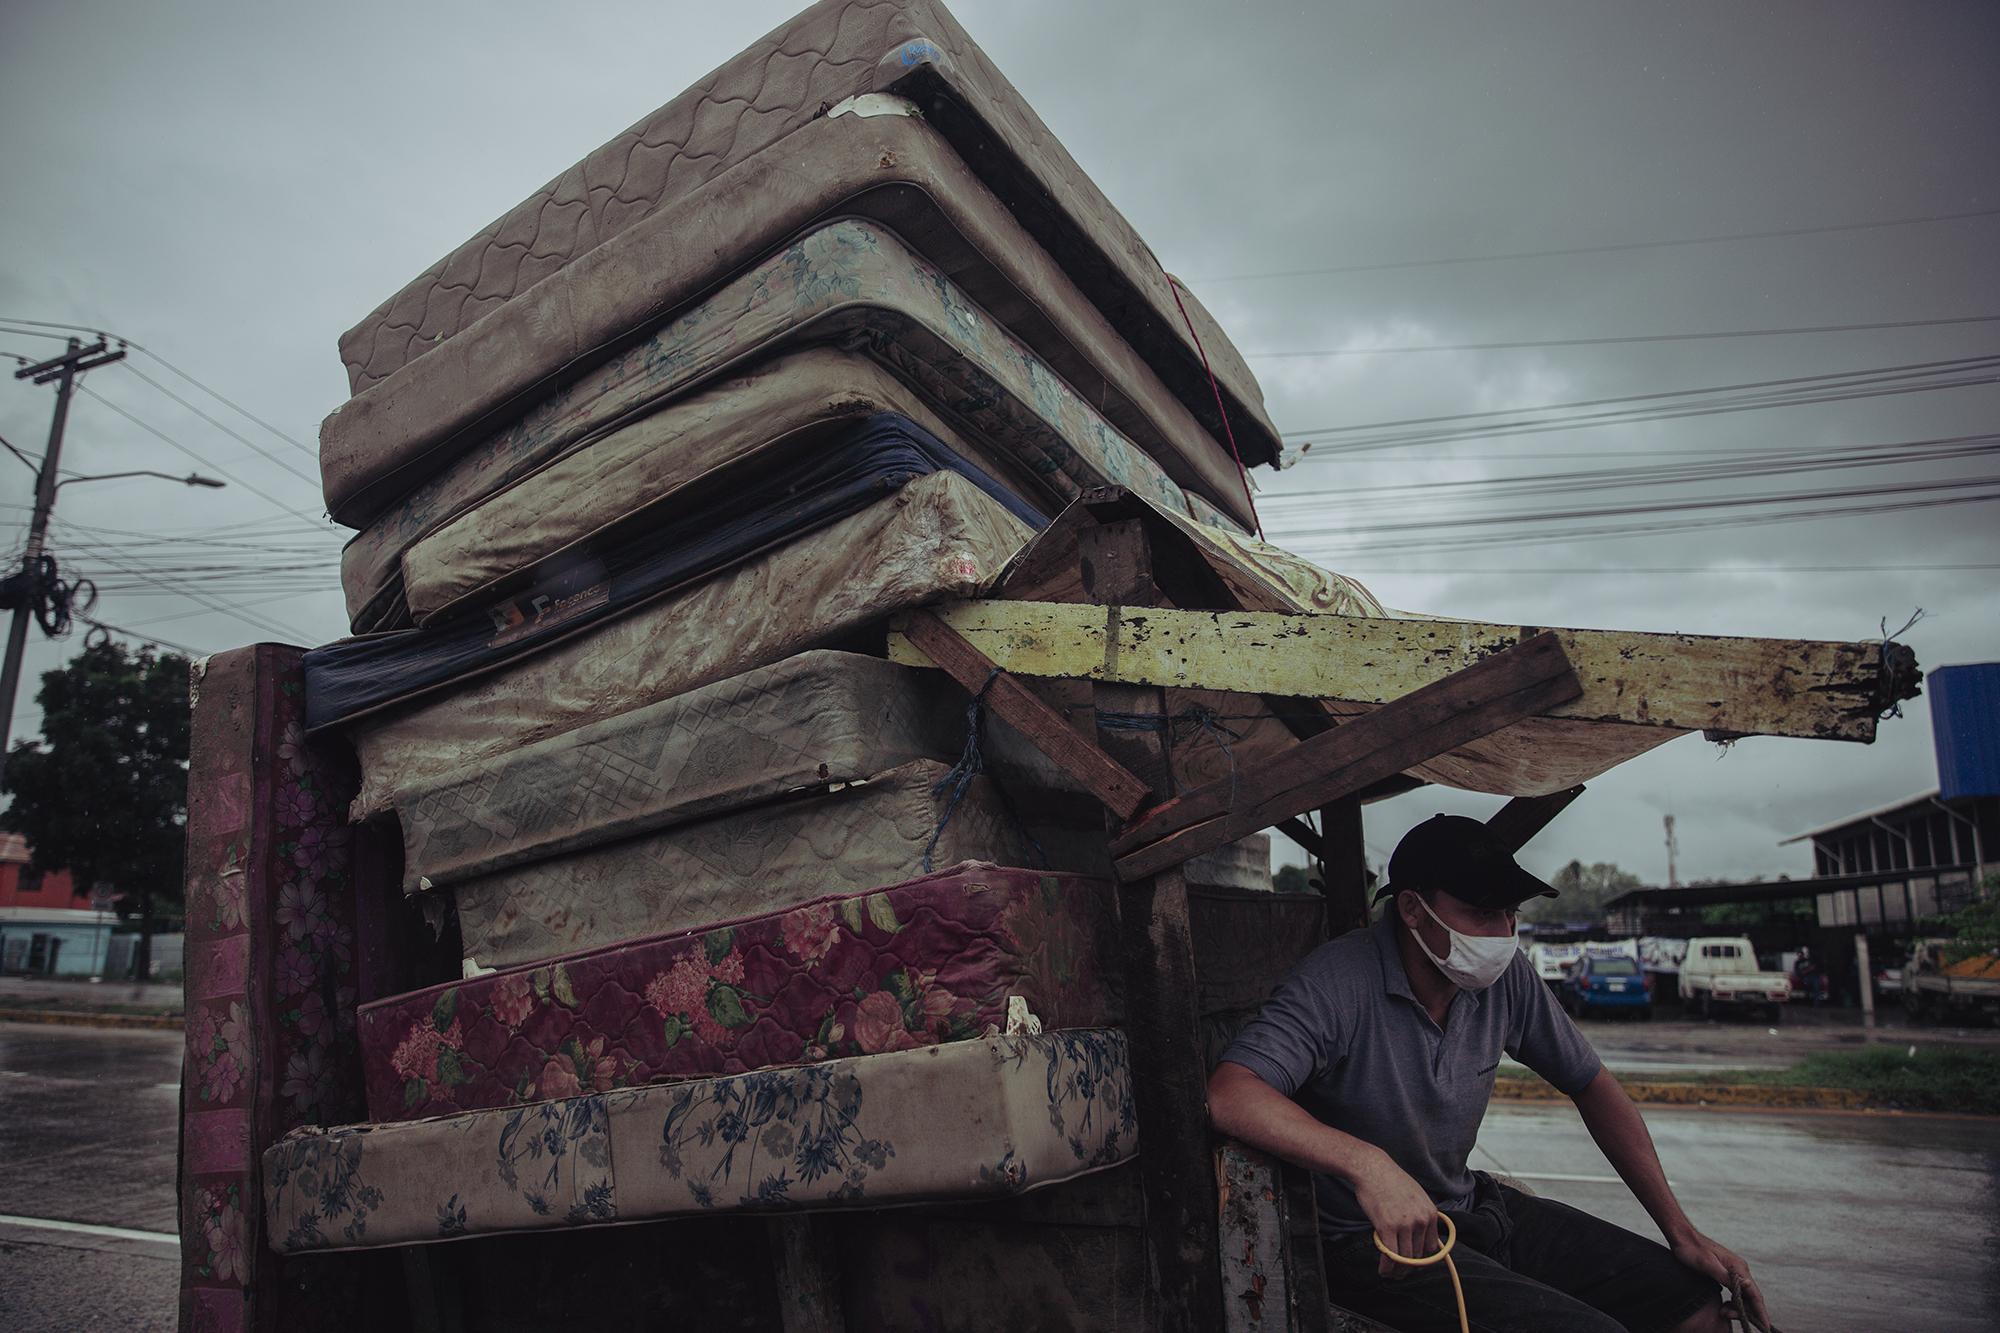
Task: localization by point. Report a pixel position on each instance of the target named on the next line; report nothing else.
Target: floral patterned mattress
(765, 858)
(985, 1117)
(937, 537)
(850, 281)
(718, 175)
(931, 960)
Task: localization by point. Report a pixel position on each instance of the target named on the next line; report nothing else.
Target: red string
(1175, 285)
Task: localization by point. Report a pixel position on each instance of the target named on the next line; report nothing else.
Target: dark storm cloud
(235, 184)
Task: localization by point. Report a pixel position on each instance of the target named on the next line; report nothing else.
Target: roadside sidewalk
(97, 1004)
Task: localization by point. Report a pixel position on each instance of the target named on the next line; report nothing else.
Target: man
(1372, 1065)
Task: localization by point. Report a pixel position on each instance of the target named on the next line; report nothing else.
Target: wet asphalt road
(1851, 1222)
(87, 1134)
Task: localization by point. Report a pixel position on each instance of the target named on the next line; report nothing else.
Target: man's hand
(1718, 1261)
(1399, 1210)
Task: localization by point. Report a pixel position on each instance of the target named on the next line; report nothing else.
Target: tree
(1974, 928)
(1292, 879)
(103, 794)
(1584, 890)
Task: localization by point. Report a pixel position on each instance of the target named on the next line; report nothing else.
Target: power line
(1580, 535)
(36, 333)
(34, 464)
(1640, 338)
(1781, 462)
(1666, 569)
(1615, 248)
(214, 393)
(155, 431)
(259, 449)
(1885, 386)
(142, 638)
(1960, 362)
(268, 625)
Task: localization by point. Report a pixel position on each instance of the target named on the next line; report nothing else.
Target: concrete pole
(1867, 971)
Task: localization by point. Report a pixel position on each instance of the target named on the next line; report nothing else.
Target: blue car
(1606, 983)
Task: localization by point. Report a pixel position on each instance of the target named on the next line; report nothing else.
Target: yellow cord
(1444, 1255)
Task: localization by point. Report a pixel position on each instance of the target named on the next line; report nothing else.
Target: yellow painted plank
(1683, 682)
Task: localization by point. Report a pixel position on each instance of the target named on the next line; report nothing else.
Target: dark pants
(1528, 1265)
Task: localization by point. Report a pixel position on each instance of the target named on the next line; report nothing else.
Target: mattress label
(520, 617)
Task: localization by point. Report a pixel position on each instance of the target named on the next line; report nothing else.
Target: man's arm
(1243, 1106)
(1614, 1122)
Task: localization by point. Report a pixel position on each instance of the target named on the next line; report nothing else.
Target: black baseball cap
(1461, 857)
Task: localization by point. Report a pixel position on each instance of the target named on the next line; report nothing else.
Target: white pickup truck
(1720, 973)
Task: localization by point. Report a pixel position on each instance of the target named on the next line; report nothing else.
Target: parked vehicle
(1936, 989)
(1607, 983)
(1721, 973)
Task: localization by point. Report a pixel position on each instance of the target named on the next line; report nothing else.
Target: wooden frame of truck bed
(1115, 595)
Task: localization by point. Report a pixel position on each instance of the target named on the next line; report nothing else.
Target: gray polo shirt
(1344, 1037)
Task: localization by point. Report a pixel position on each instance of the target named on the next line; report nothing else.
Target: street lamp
(191, 479)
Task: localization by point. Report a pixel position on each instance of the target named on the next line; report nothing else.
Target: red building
(21, 885)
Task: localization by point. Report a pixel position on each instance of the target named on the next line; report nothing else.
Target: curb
(85, 1019)
(1702, 1094)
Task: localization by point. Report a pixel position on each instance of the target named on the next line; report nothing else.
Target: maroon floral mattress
(933, 959)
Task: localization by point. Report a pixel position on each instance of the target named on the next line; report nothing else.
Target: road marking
(86, 1229)
(1566, 1179)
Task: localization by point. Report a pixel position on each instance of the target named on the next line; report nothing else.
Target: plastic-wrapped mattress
(986, 1117)
(744, 513)
(672, 206)
(850, 282)
(809, 721)
(784, 409)
(931, 960)
(766, 858)
(940, 536)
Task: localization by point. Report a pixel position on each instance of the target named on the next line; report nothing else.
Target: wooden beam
(1020, 708)
(1682, 682)
(1301, 833)
(1527, 679)
(1522, 818)
(1343, 863)
(1162, 1010)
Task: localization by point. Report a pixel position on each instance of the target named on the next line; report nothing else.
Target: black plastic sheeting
(873, 457)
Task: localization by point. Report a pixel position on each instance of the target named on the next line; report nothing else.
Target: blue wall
(1965, 726)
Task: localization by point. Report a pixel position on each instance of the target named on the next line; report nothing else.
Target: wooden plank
(1476, 702)
(1522, 818)
(1343, 864)
(807, 1260)
(1682, 682)
(1537, 663)
(1020, 708)
(1163, 1024)
(1256, 1296)
(1301, 833)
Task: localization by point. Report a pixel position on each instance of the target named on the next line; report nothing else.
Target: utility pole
(23, 587)
(1673, 849)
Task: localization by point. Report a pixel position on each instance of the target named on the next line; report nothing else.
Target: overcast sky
(233, 184)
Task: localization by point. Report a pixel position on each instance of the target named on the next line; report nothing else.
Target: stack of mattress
(640, 475)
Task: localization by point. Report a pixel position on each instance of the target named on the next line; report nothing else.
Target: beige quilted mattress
(764, 858)
(940, 536)
(705, 184)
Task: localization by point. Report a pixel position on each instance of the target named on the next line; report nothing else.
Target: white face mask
(1475, 961)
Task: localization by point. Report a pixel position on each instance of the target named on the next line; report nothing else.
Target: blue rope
(971, 763)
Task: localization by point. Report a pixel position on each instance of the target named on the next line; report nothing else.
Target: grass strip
(1887, 1076)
